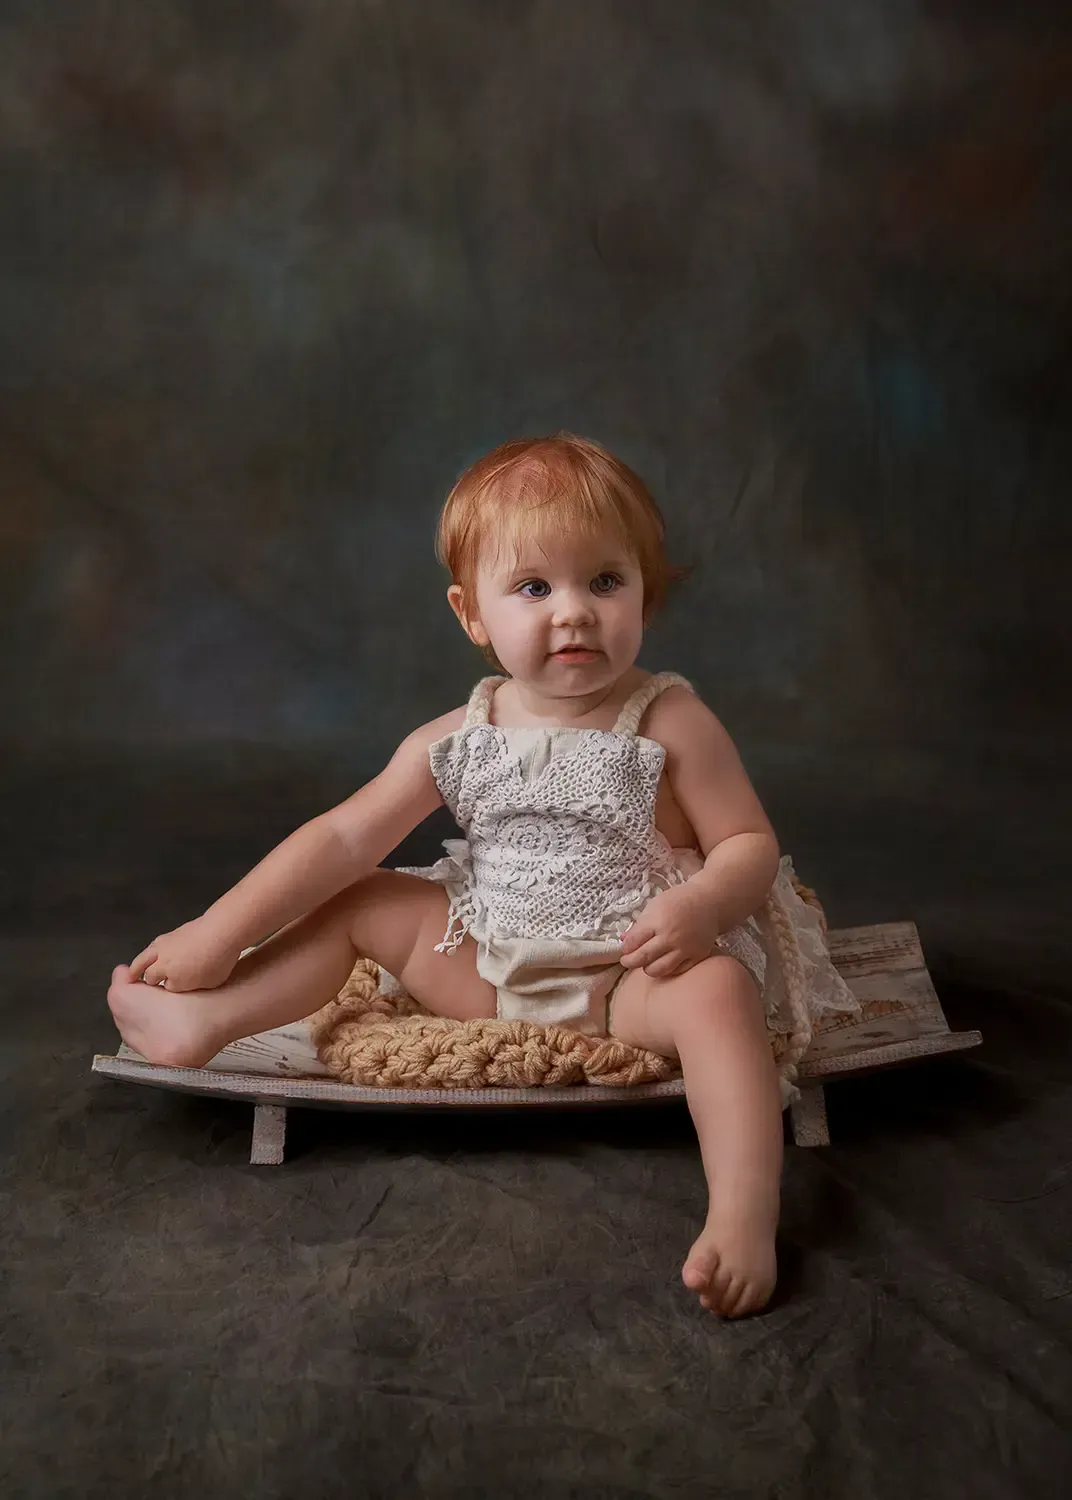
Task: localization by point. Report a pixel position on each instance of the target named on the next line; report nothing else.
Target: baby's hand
(675, 931)
(192, 957)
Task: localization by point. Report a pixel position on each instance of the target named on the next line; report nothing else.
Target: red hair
(561, 486)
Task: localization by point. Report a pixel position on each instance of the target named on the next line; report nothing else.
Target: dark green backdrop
(273, 273)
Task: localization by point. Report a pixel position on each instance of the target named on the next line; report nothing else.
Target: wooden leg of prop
(269, 1135)
(808, 1117)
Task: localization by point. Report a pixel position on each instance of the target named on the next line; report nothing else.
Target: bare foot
(732, 1265)
(164, 1027)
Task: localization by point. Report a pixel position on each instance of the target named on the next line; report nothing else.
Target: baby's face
(556, 594)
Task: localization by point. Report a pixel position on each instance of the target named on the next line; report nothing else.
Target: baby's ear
(470, 623)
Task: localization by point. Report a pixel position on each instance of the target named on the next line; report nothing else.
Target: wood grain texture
(269, 1135)
(807, 1117)
(322, 1091)
(901, 1021)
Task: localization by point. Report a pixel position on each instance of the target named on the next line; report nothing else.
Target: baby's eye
(538, 581)
(614, 579)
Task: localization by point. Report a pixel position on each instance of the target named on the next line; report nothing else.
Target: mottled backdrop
(273, 272)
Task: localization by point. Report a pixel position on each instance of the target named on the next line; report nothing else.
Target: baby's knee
(388, 913)
(379, 888)
(715, 985)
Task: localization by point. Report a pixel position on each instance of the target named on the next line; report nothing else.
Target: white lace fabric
(560, 824)
(561, 846)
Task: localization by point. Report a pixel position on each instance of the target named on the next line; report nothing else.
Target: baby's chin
(594, 683)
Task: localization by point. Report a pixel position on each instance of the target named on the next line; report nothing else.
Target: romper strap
(633, 709)
(480, 701)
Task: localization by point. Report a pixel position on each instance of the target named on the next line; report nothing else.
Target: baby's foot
(163, 1027)
(732, 1265)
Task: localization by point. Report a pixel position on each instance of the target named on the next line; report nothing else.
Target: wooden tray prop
(900, 1021)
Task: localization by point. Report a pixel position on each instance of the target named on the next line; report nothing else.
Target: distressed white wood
(887, 1055)
(884, 968)
(882, 965)
(901, 1021)
(288, 1052)
(879, 949)
(319, 1091)
(269, 1135)
(332, 1094)
(807, 1117)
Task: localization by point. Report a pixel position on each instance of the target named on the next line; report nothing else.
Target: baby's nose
(573, 606)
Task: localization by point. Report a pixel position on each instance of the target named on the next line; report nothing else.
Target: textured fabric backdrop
(272, 273)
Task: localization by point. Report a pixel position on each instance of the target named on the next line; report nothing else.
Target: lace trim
(633, 710)
(452, 944)
(821, 983)
(465, 909)
(478, 710)
(570, 852)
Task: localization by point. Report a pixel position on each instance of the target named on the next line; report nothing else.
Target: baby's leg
(392, 918)
(711, 1018)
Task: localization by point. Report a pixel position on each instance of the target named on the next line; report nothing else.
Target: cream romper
(560, 853)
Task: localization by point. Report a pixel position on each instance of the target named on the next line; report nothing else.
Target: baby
(610, 877)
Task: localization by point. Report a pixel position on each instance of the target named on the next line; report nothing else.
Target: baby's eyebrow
(524, 571)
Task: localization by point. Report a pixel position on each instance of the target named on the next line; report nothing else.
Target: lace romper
(561, 853)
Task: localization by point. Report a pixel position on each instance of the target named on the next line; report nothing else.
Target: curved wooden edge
(310, 1092)
(890, 1054)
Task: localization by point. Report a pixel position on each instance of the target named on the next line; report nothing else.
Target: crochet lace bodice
(560, 837)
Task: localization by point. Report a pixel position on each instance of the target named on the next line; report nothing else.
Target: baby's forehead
(513, 554)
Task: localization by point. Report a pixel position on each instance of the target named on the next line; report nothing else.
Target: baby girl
(615, 858)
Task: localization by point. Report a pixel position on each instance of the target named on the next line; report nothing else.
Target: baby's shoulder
(427, 735)
(677, 716)
(447, 723)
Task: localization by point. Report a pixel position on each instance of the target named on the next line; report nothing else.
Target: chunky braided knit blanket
(392, 1041)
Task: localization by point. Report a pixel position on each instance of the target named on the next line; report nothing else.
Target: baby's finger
(644, 955)
(634, 936)
(142, 962)
(153, 974)
(665, 967)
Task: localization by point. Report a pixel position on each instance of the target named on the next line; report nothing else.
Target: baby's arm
(310, 866)
(681, 925)
(712, 789)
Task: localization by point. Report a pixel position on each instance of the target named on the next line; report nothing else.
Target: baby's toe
(704, 1274)
(721, 1292)
(695, 1278)
(701, 1269)
(755, 1294)
(736, 1297)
